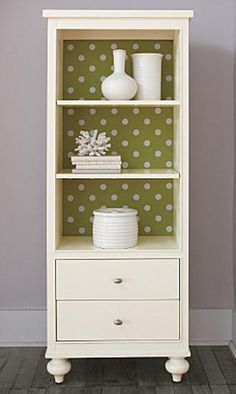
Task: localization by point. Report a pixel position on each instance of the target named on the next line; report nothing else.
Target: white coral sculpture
(92, 143)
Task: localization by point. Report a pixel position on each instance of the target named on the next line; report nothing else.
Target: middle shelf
(124, 174)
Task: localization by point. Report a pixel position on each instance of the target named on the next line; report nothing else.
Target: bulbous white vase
(119, 85)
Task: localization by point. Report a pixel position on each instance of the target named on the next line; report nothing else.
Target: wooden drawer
(140, 279)
(95, 320)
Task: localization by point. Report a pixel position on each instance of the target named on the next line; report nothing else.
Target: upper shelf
(124, 174)
(118, 103)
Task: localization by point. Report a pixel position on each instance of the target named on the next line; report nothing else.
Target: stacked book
(96, 164)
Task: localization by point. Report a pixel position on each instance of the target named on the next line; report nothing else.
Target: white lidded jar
(119, 85)
(147, 73)
(115, 228)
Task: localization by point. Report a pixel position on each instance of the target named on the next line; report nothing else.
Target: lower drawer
(117, 320)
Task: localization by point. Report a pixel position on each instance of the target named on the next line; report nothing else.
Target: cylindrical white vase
(119, 85)
(115, 228)
(147, 74)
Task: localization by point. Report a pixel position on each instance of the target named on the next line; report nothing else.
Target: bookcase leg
(177, 367)
(58, 367)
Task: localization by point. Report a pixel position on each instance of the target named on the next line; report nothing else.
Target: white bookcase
(145, 314)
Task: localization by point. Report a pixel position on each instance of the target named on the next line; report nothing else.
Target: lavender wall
(22, 148)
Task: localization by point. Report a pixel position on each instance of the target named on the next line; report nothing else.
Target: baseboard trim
(28, 328)
(232, 348)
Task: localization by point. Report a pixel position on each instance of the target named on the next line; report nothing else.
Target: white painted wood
(117, 320)
(118, 103)
(177, 366)
(111, 14)
(124, 174)
(59, 367)
(137, 279)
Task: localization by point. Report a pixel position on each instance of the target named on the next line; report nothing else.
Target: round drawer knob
(117, 280)
(118, 322)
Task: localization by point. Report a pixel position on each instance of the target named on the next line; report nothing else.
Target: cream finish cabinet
(128, 302)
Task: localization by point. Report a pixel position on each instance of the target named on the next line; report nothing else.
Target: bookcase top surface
(117, 13)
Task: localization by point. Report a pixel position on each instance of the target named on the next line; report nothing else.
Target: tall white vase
(119, 85)
(147, 73)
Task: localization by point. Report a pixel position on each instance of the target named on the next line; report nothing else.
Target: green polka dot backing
(86, 63)
(152, 198)
(142, 136)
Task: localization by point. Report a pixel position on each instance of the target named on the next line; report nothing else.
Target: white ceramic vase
(119, 85)
(115, 228)
(147, 73)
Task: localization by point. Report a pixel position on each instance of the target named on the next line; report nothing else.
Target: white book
(97, 159)
(93, 171)
(97, 167)
(83, 163)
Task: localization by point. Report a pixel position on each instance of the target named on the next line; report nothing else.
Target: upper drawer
(117, 279)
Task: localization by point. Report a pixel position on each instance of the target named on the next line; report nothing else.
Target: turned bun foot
(177, 367)
(59, 367)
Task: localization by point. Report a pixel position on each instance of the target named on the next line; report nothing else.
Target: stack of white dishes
(115, 228)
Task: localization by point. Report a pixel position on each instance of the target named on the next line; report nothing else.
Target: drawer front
(117, 279)
(117, 320)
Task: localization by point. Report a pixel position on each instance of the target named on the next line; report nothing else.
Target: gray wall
(22, 156)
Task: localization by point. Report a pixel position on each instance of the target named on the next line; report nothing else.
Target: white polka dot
(92, 68)
(136, 132)
(114, 132)
(70, 47)
(147, 208)
(168, 142)
(158, 132)
(70, 133)
(114, 111)
(69, 154)
(136, 111)
(92, 89)
(102, 78)
(157, 45)
(91, 219)
(103, 186)
(157, 110)
(125, 206)
(103, 122)
(168, 78)
(102, 57)
(147, 229)
(114, 197)
(168, 121)
(81, 122)
(92, 47)
(92, 111)
(125, 164)
(125, 121)
(158, 196)
(158, 218)
(112, 67)
(147, 121)
(169, 229)
(81, 98)
(114, 153)
(92, 197)
(70, 69)
(135, 46)
(103, 207)
(147, 143)
(158, 153)
(168, 98)
(70, 90)
(168, 56)
(169, 207)
(81, 79)
(81, 187)
(70, 219)
(81, 58)
(70, 111)
(125, 143)
(147, 186)
(81, 230)
(136, 153)
(70, 198)
(147, 164)
(126, 57)
(169, 164)
(113, 46)
(169, 185)
(81, 208)
(125, 186)
(136, 197)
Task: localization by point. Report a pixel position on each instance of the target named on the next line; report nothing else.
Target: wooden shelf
(118, 103)
(124, 174)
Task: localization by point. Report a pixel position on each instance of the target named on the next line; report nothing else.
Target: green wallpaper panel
(142, 136)
(86, 63)
(152, 198)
